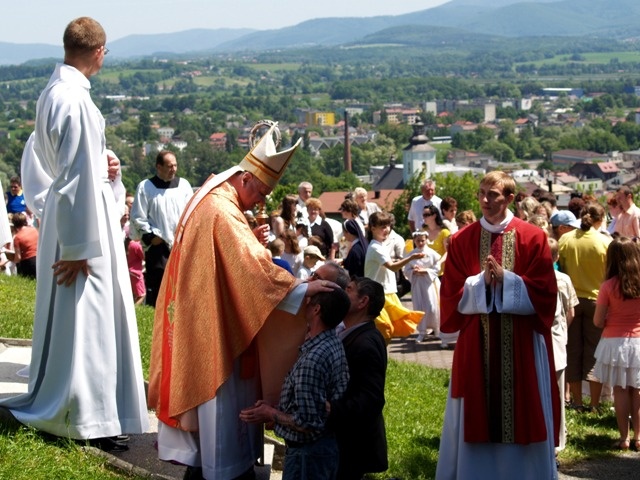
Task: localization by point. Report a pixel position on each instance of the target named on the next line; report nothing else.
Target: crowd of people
(284, 320)
(19, 242)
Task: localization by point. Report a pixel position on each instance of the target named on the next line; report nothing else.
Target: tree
(402, 204)
(500, 151)
(463, 188)
(144, 126)
(400, 133)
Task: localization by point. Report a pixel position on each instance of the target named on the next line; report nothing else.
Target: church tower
(418, 155)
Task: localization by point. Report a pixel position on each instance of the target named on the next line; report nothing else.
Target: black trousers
(155, 259)
(27, 267)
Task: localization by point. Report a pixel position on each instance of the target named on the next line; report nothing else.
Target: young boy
(276, 247)
(312, 256)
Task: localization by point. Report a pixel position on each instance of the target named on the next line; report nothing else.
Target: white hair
(359, 191)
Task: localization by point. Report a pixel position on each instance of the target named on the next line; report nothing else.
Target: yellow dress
(439, 245)
(396, 320)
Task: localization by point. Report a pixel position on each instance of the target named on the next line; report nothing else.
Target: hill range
(472, 20)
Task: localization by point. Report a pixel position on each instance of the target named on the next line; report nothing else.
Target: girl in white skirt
(618, 352)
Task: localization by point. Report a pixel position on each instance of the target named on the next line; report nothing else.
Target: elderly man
(502, 414)
(86, 375)
(365, 208)
(428, 197)
(206, 352)
(153, 218)
(305, 190)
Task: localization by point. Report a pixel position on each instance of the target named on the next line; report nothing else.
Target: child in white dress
(425, 285)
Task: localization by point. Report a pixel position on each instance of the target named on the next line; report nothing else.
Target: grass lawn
(588, 58)
(415, 395)
(274, 67)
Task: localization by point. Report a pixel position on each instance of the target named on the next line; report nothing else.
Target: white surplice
(158, 210)
(86, 375)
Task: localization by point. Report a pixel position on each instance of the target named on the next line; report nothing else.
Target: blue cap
(565, 217)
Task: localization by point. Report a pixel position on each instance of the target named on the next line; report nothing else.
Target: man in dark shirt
(357, 416)
(320, 375)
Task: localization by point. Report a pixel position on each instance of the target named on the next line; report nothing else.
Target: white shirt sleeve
(474, 296)
(293, 301)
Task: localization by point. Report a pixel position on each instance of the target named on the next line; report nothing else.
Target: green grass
(114, 74)
(27, 455)
(274, 67)
(588, 58)
(416, 397)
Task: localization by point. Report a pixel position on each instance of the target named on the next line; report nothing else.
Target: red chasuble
(493, 365)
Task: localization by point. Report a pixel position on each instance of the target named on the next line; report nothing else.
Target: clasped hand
(261, 412)
(493, 271)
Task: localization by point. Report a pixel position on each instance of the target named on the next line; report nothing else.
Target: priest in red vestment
(502, 414)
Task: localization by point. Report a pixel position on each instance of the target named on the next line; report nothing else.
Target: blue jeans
(312, 461)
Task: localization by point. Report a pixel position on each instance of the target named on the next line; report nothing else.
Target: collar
(343, 332)
(212, 182)
(317, 221)
(499, 228)
(67, 73)
(159, 183)
(313, 341)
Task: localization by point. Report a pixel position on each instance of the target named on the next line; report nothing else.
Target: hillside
(605, 19)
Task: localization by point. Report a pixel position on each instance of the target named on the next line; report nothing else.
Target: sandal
(577, 408)
(635, 445)
(623, 444)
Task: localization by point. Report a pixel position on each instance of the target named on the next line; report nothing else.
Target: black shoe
(108, 444)
(193, 473)
(248, 475)
(7, 419)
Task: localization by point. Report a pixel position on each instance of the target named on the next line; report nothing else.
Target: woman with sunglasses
(437, 234)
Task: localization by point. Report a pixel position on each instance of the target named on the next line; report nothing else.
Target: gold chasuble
(220, 287)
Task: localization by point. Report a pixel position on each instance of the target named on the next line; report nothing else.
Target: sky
(43, 21)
